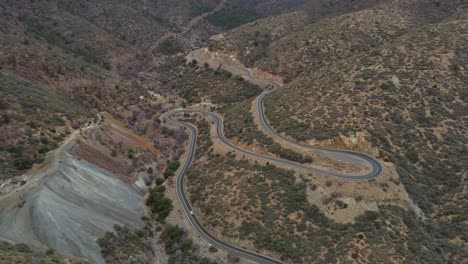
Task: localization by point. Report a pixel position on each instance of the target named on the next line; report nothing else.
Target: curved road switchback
(182, 195)
(376, 166)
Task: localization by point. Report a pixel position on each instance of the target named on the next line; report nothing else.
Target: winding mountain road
(376, 166)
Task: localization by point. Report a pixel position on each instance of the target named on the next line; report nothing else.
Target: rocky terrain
(67, 203)
(72, 183)
(87, 166)
(81, 57)
(398, 84)
(376, 66)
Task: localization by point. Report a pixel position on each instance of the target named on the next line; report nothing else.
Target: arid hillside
(63, 61)
(392, 70)
(23, 254)
(299, 42)
(88, 163)
(392, 74)
(66, 181)
(94, 183)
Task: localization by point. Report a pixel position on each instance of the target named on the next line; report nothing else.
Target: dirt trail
(194, 21)
(68, 204)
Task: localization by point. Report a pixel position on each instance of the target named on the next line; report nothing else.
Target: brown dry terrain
(96, 180)
(387, 96)
(23, 254)
(386, 78)
(393, 73)
(62, 61)
(273, 210)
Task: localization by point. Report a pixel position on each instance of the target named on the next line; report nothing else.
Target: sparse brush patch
(35, 112)
(286, 225)
(23, 254)
(272, 227)
(397, 105)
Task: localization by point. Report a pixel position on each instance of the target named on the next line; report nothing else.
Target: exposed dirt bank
(68, 203)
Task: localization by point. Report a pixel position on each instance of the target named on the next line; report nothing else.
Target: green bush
(11, 60)
(173, 165)
(171, 168)
(168, 173)
(212, 249)
(160, 189)
(23, 163)
(197, 8)
(158, 203)
(159, 181)
(172, 235)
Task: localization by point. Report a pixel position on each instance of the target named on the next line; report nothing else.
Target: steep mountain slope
(68, 203)
(79, 56)
(386, 78)
(33, 122)
(394, 72)
(56, 67)
(293, 43)
(93, 182)
(407, 96)
(376, 65)
(61, 62)
(239, 12)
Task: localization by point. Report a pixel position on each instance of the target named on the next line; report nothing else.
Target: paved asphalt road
(376, 166)
(181, 194)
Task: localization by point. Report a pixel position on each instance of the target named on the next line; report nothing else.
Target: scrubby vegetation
(268, 206)
(53, 76)
(61, 61)
(198, 8)
(180, 247)
(406, 96)
(160, 206)
(136, 246)
(395, 71)
(170, 46)
(233, 96)
(23, 254)
(399, 106)
(239, 124)
(127, 246)
(361, 72)
(195, 83)
(37, 115)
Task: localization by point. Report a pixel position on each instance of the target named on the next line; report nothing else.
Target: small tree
(11, 60)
